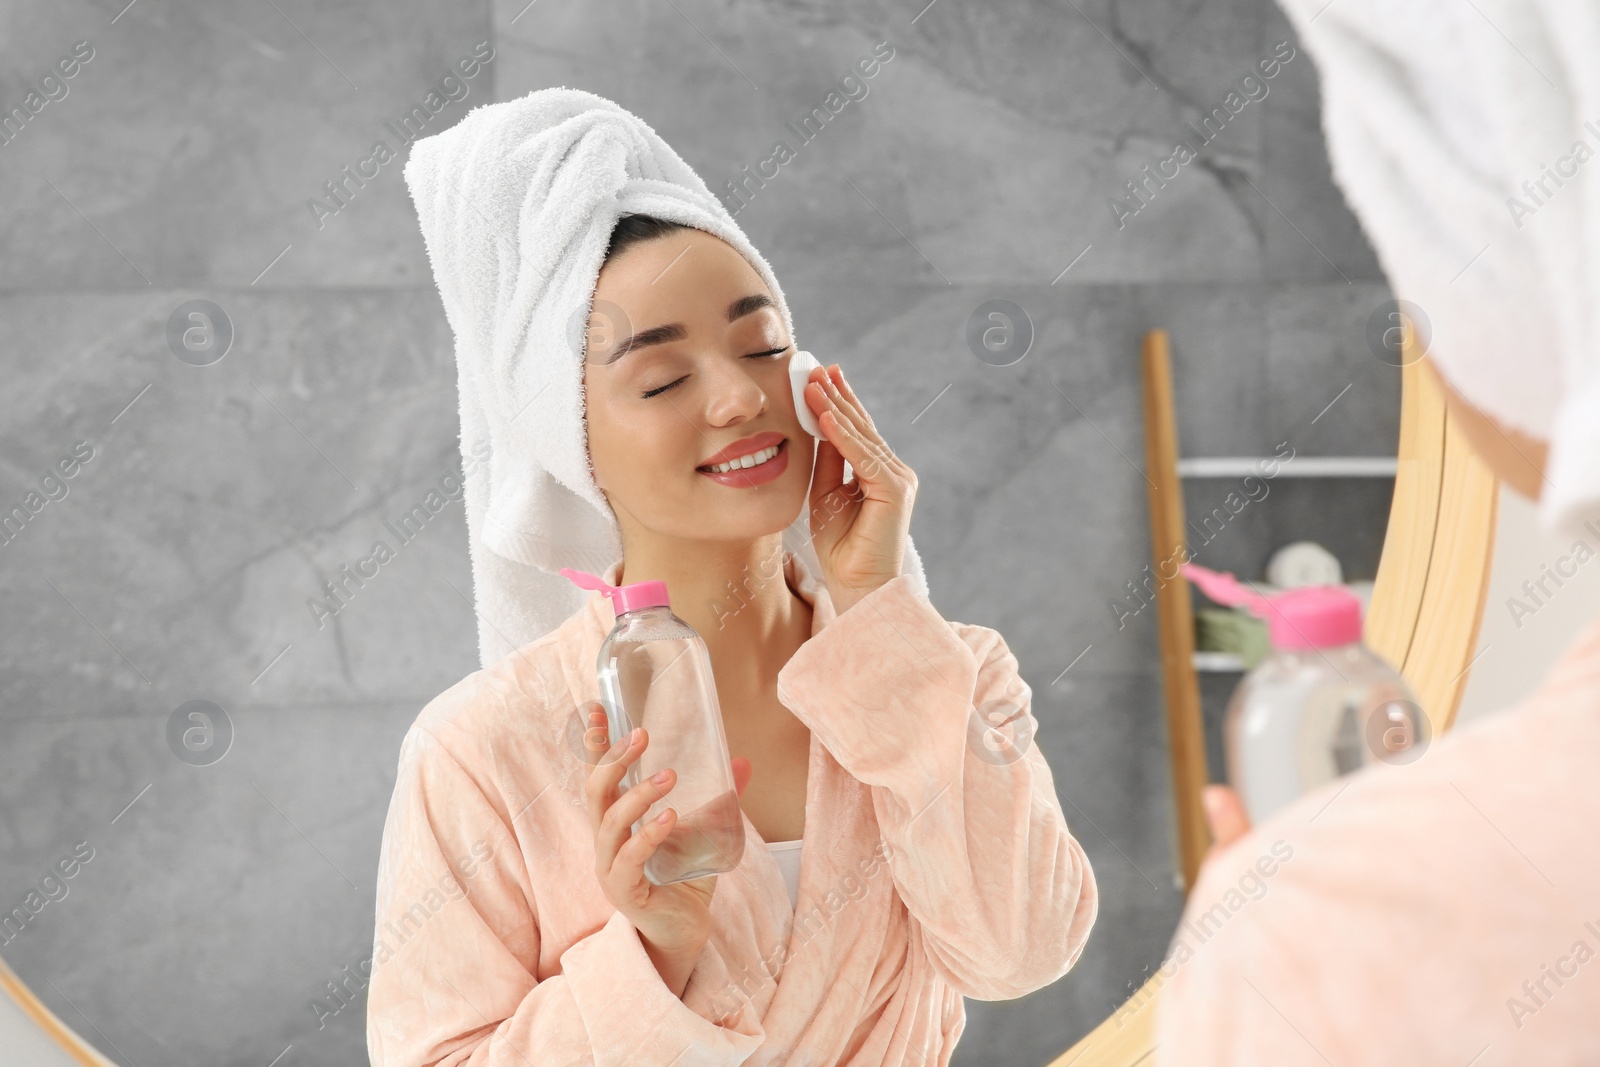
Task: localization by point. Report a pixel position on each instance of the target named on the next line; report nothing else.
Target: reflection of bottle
(655, 672)
(1319, 706)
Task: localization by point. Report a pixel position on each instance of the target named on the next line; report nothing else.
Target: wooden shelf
(1217, 662)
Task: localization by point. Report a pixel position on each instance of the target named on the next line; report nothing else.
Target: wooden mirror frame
(1427, 604)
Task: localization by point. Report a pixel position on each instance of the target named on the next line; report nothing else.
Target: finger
(858, 409)
(828, 467)
(847, 401)
(742, 769)
(873, 457)
(596, 734)
(831, 457)
(614, 760)
(1225, 813)
(839, 429)
(817, 404)
(836, 401)
(632, 807)
(600, 790)
(628, 867)
(597, 729)
(827, 477)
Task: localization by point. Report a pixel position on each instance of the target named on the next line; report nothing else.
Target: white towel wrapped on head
(1465, 136)
(516, 204)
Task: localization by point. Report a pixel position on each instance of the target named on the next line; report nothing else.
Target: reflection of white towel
(516, 203)
(1442, 119)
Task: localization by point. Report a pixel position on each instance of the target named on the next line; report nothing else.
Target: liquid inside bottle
(1320, 706)
(1304, 717)
(655, 672)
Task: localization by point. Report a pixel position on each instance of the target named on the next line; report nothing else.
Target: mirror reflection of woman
(1444, 910)
(935, 862)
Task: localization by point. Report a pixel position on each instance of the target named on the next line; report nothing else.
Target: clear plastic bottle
(1320, 705)
(655, 672)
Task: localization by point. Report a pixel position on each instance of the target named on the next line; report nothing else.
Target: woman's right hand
(673, 921)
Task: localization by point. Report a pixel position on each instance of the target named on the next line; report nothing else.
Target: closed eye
(754, 355)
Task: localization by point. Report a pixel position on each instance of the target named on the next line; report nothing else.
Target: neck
(734, 594)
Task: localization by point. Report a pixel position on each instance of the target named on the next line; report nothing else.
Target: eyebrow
(674, 331)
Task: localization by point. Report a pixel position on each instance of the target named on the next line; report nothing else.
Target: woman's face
(707, 368)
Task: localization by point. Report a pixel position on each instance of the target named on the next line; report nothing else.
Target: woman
(1445, 910)
(514, 921)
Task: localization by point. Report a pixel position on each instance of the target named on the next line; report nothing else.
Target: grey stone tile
(1328, 393)
(190, 149)
(1218, 341)
(999, 172)
(1347, 516)
(234, 891)
(1033, 468)
(1312, 235)
(187, 552)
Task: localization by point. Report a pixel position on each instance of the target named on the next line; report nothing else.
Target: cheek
(601, 427)
(637, 451)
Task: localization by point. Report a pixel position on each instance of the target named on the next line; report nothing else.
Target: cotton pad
(800, 367)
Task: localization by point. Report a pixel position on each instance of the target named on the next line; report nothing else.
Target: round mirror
(232, 535)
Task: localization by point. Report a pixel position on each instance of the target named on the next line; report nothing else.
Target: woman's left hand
(859, 529)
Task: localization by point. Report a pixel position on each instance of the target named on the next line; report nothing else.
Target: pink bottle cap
(624, 598)
(1315, 616)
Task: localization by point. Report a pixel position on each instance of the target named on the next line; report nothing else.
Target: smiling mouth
(755, 459)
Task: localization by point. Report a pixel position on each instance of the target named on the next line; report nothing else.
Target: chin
(745, 515)
(758, 520)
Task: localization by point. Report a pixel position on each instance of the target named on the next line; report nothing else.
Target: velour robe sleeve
(458, 941)
(980, 851)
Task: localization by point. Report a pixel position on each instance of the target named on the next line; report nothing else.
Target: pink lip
(745, 477)
(744, 446)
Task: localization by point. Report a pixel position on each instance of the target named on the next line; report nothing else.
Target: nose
(733, 394)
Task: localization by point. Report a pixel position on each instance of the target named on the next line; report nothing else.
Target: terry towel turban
(1465, 136)
(516, 204)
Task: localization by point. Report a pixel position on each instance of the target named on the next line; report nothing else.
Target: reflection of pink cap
(634, 596)
(1317, 616)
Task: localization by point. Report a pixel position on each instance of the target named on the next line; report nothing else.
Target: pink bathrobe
(933, 868)
(1445, 912)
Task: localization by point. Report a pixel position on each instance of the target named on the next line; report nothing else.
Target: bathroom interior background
(224, 903)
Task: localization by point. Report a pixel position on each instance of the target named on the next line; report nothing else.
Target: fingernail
(663, 816)
(660, 777)
(634, 736)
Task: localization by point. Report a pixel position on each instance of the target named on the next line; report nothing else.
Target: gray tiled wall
(178, 566)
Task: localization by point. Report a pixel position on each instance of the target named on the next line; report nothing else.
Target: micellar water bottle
(655, 672)
(1319, 706)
